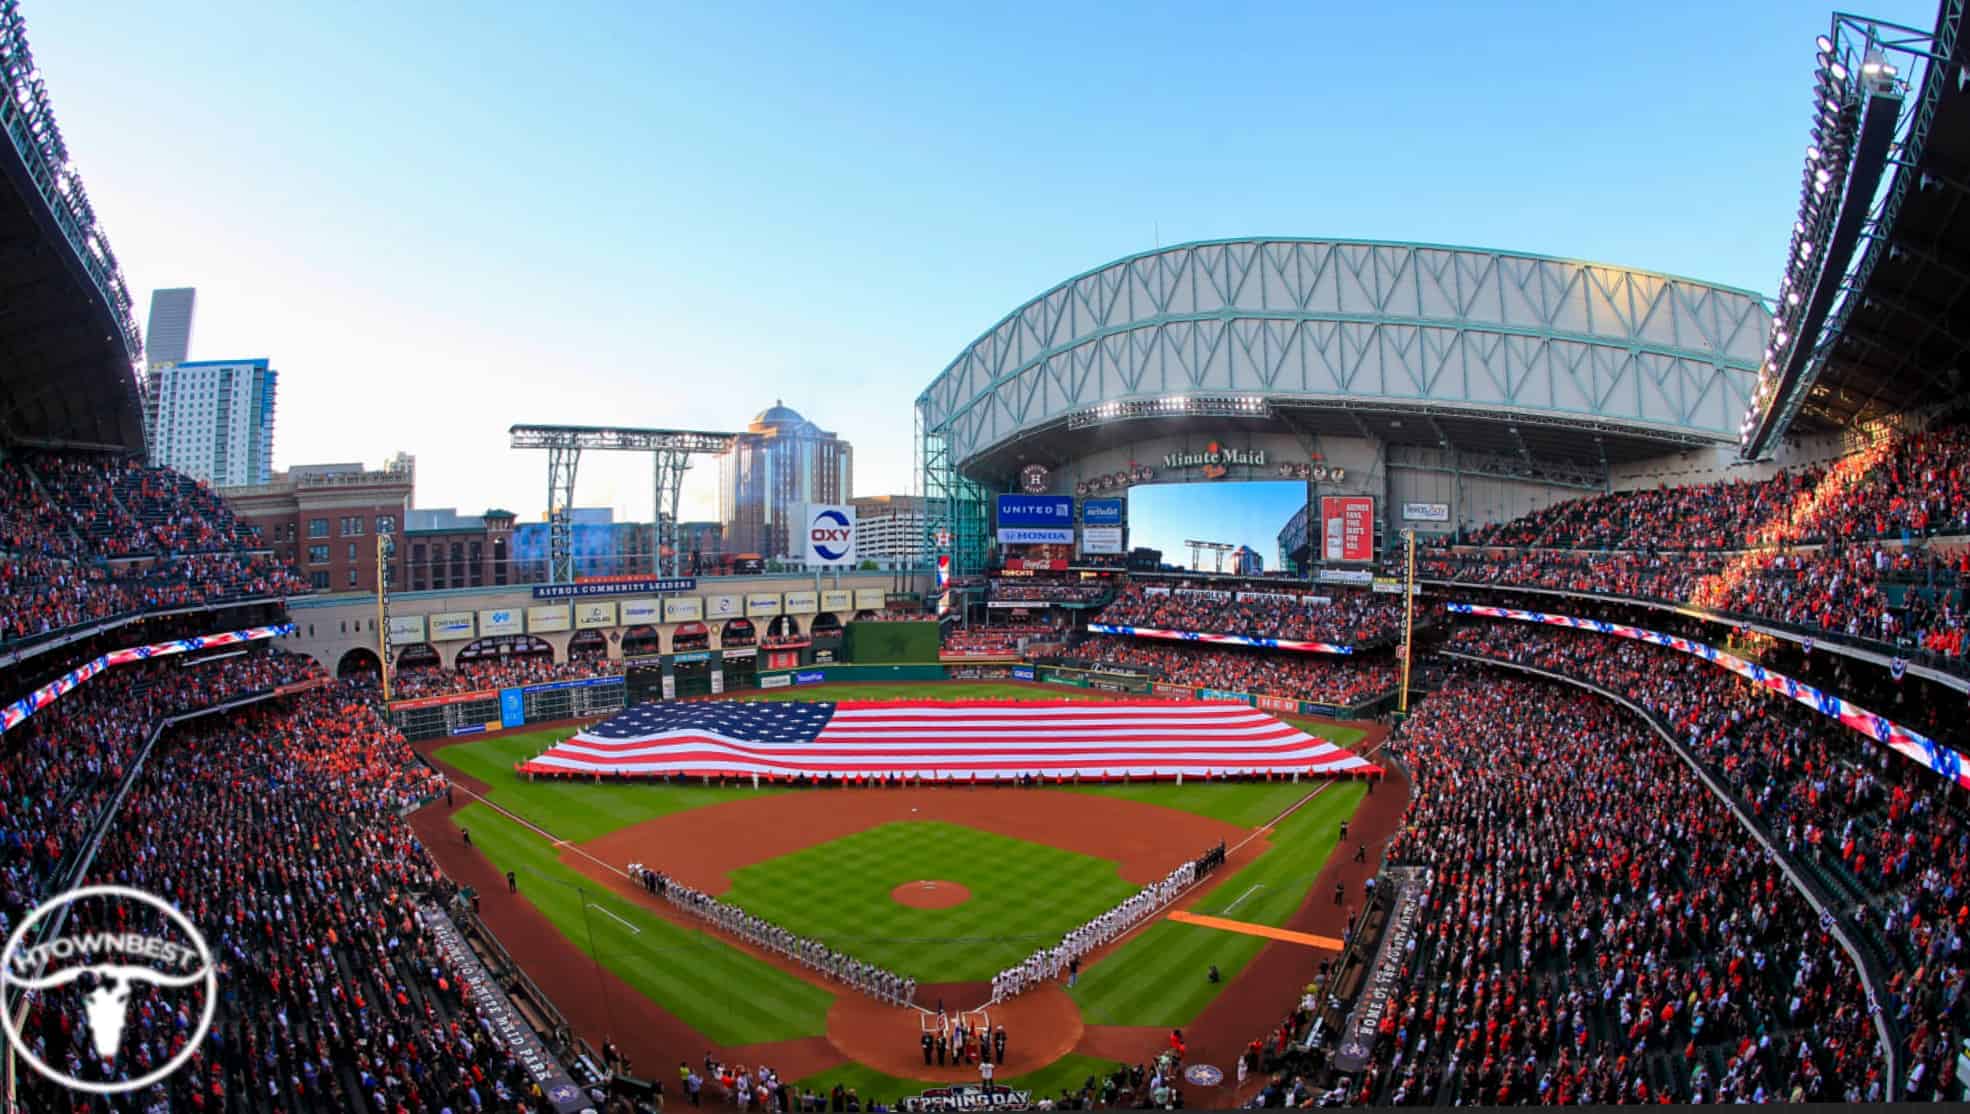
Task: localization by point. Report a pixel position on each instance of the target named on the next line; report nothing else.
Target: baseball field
(947, 885)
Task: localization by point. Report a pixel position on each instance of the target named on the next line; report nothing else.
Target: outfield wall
(877, 643)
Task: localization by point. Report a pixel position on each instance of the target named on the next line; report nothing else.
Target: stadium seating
(88, 538)
(1843, 551)
(1601, 929)
(1349, 618)
(1335, 681)
(500, 673)
(1878, 834)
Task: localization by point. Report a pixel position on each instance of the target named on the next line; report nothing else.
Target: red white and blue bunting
(13, 715)
(1949, 763)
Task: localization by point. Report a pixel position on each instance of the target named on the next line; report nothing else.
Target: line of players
(878, 983)
(1049, 963)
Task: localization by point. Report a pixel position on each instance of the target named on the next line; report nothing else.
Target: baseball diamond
(865, 874)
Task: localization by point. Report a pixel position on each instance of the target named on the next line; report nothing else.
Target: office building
(215, 420)
(779, 465)
(889, 530)
(323, 519)
(168, 338)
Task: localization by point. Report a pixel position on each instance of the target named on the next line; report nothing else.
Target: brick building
(324, 518)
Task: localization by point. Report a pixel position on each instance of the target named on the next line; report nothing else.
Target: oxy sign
(830, 535)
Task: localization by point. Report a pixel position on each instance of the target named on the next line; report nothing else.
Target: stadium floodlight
(1825, 44)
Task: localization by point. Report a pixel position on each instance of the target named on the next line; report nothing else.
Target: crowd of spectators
(993, 640)
(486, 674)
(1909, 600)
(1598, 928)
(278, 831)
(84, 539)
(1916, 484)
(1346, 617)
(1047, 591)
(1841, 549)
(1321, 679)
(60, 766)
(1889, 847)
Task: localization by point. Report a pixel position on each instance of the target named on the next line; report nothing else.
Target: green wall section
(878, 643)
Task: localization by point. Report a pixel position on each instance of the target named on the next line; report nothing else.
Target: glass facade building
(781, 463)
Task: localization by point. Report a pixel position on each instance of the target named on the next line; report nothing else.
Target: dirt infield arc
(705, 845)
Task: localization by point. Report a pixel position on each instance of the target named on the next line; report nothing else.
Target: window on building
(319, 580)
(352, 578)
(386, 524)
(352, 551)
(352, 526)
(318, 555)
(318, 527)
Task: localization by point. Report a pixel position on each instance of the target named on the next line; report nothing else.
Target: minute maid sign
(1215, 460)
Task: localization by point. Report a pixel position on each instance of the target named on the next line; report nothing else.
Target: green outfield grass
(722, 992)
(573, 810)
(1023, 896)
(1065, 1074)
(1157, 977)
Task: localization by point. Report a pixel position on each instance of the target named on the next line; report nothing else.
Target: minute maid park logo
(1216, 460)
(98, 969)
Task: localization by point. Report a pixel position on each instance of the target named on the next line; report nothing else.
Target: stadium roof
(1896, 339)
(1494, 352)
(68, 343)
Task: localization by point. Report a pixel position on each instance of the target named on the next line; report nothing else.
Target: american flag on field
(944, 740)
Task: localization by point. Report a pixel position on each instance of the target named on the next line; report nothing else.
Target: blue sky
(442, 218)
(1164, 516)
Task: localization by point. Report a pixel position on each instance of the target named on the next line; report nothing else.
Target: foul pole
(1408, 617)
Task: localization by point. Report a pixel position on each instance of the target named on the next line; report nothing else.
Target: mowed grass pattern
(724, 993)
(577, 811)
(1023, 896)
(1158, 976)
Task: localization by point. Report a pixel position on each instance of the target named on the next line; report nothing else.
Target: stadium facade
(1476, 385)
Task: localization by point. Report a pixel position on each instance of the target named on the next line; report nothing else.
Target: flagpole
(1408, 618)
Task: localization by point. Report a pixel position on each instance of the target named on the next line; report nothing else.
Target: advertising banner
(1426, 512)
(1022, 673)
(1347, 527)
(1101, 539)
(624, 586)
(1033, 535)
(548, 618)
(1390, 586)
(717, 681)
(763, 603)
(1102, 512)
(406, 629)
(512, 707)
(738, 653)
(638, 612)
(1360, 577)
(451, 626)
(776, 681)
(1222, 696)
(501, 620)
(683, 609)
(595, 614)
(1173, 692)
(870, 599)
(1036, 510)
(669, 687)
(724, 606)
(837, 599)
(690, 656)
(1279, 704)
(1221, 639)
(813, 677)
(828, 540)
(801, 603)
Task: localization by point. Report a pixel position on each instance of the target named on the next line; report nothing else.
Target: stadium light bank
(1172, 406)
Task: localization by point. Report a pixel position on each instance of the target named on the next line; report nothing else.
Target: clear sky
(442, 218)
(1164, 516)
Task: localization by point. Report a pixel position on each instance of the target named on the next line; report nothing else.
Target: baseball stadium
(1216, 744)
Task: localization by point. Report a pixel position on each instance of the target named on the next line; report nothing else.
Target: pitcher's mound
(930, 894)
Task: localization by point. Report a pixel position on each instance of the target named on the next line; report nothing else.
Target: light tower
(671, 451)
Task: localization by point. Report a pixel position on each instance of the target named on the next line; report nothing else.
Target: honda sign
(829, 540)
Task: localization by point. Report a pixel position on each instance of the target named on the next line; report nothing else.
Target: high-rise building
(215, 420)
(168, 339)
(1248, 561)
(781, 463)
(889, 530)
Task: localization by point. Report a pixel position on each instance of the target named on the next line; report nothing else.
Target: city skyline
(678, 245)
